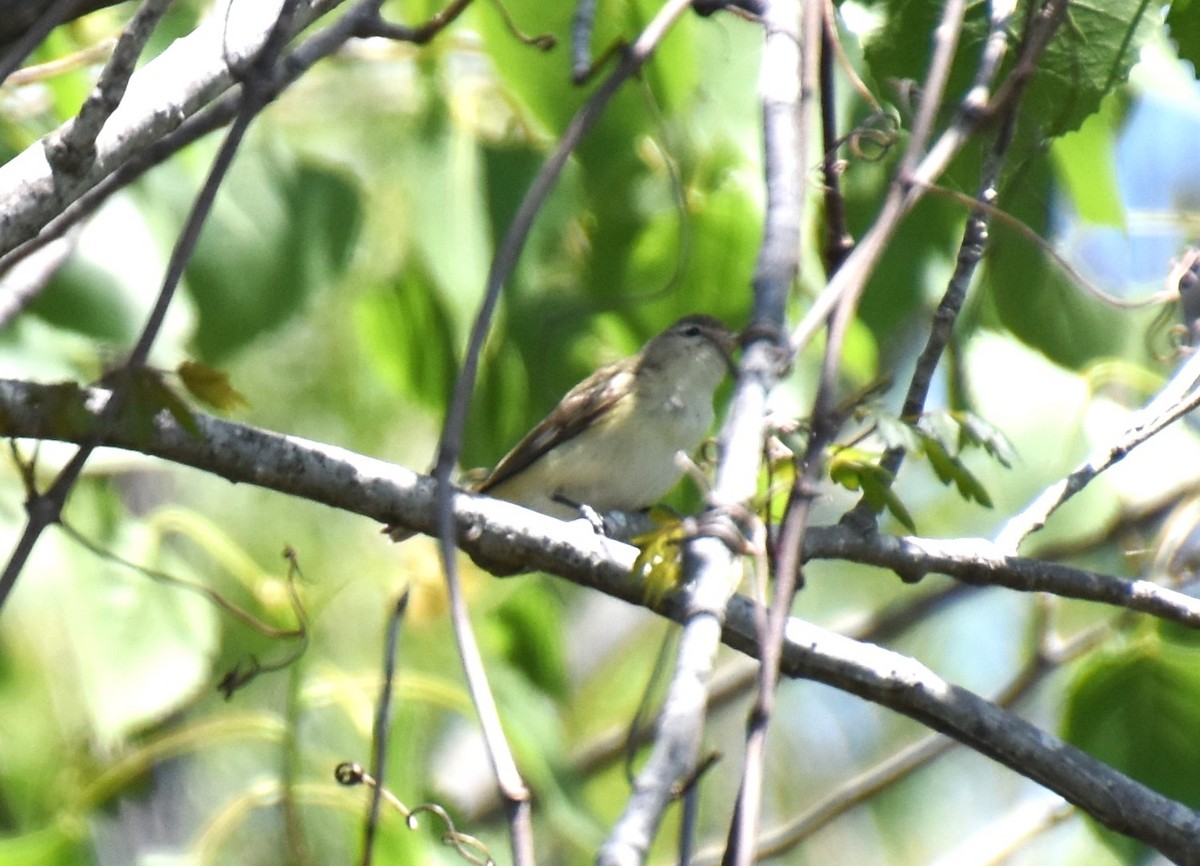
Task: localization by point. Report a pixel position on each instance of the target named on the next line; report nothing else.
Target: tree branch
(202, 64)
(502, 532)
(708, 562)
(1177, 398)
(73, 145)
(979, 562)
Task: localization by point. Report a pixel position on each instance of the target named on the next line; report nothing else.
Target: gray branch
(185, 78)
(496, 531)
(73, 145)
(708, 561)
(980, 562)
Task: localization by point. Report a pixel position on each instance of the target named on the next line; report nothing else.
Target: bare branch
(16, 52)
(383, 718)
(450, 446)
(807, 32)
(73, 146)
(32, 192)
(708, 562)
(980, 562)
(499, 531)
(1176, 399)
(44, 509)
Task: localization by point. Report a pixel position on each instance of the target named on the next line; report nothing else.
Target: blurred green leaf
(1086, 163)
(408, 336)
(144, 647)
(705, 252)
(880, 494)
(500, 411)
(895, 433)
(52, 846)
(1183, 23)
(1136, 709)
(950, 470)
(858, 470)
(278, 233)
(529, 627)
(1029, 294)
(85, 298)
(210, 385)
(974, 431)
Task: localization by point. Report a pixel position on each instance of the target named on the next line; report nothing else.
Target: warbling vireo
(610, 443)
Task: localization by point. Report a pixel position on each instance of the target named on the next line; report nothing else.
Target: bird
(610, 444)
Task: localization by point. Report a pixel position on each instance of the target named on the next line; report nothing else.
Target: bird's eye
(692, 331)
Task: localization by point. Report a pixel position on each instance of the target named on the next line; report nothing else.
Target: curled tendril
(873, 139)
(349, 774)
(465, 845)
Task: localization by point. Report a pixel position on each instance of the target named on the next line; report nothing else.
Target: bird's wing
(583, 404)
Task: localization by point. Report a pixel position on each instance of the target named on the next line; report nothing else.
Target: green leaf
(1135, 709)
(938, 458)
(1086, 164)
(845, 468)
(881, 495)
(87, 299)
(409, 337)
(1028, 293)
(531, 624)
(974, 431)
(1091, 53)
(896, 433)
(1183, 23)
(857, 470)
(950, 470)
(50, 846)
(279, 232)
(210, 386)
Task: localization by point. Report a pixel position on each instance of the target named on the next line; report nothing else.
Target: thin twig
(1177, 398)
(19, 49)
(492, 529)
(806, 28)
(45, 509)
(581, 39)
(914, 176)
(970, 251)
(838, 240)
(450, 446)
(374, 25)
(383, 719)
(74, 144)
(88, 56)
